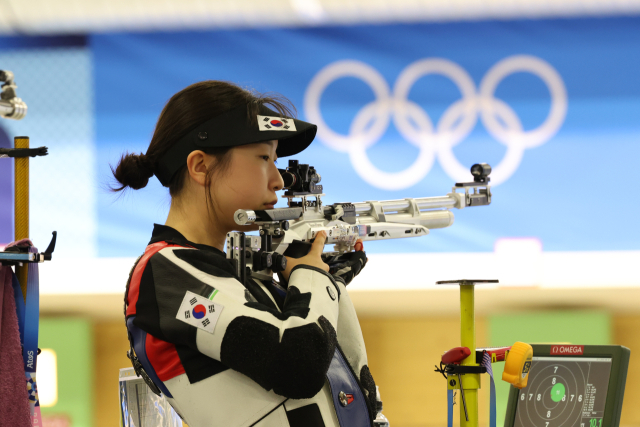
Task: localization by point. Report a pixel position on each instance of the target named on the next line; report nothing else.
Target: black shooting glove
(346, 266)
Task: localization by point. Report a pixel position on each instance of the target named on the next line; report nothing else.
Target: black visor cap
(234, 128)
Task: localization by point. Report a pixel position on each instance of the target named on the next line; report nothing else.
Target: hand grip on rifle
(313, 258)
(347, 265)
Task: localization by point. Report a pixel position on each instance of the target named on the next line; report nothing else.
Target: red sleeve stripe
(163, 358)
(134, 286)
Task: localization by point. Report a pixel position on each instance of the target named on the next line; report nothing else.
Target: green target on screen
(557, 392)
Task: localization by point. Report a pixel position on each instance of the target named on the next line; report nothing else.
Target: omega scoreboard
(571, 386)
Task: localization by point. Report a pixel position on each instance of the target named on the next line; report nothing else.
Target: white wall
(72, 16)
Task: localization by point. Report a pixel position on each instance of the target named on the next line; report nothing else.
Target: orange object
(517, 365)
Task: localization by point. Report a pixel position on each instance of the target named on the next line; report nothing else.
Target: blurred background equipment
(11, 107)
(406, 94)
(20, 308)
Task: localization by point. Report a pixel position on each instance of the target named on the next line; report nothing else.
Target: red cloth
(14, 407)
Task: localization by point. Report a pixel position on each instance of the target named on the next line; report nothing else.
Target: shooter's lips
(270, 205)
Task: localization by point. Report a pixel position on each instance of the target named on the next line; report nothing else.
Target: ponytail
(133, 171)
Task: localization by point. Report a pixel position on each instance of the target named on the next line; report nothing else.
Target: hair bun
(144, 164)
(134, 171)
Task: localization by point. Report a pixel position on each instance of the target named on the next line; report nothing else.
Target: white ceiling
(79, 16)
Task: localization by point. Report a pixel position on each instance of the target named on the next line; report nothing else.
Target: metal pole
(470, 382)
(21, 205)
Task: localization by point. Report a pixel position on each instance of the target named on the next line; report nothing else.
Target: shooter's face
(250, 182)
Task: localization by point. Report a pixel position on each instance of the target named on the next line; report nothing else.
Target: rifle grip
(297, 249)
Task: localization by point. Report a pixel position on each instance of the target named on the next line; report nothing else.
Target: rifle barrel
(440, 202)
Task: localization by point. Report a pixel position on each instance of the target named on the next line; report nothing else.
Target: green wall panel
(71, 339)
(575, 327)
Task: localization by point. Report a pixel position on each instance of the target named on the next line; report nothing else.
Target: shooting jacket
(232, 354)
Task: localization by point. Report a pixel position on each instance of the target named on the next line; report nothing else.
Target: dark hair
(185, 111)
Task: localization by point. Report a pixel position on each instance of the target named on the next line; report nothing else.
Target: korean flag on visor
(271, 123)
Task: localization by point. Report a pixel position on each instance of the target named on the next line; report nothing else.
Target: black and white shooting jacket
(232, 354)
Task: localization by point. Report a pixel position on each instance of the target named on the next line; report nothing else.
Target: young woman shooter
(227, 353)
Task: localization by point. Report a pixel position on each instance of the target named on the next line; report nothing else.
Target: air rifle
(288, 232)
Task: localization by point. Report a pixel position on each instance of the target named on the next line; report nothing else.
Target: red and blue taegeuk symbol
(199, 311)
(276, 123)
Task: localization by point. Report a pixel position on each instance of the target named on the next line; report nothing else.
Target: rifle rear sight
(301, 180)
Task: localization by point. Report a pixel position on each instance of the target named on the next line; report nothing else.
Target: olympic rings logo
(455, 125)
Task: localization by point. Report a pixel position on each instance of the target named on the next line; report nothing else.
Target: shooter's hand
(348, 265)
(313, 258)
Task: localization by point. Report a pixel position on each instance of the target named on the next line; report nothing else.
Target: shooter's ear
(197, 164)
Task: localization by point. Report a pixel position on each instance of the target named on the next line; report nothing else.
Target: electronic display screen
(564, 392)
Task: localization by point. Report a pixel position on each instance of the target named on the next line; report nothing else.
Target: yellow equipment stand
(470, 382)
(518, 359)
(21, 205)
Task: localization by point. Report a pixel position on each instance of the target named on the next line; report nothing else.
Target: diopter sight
(300, 180)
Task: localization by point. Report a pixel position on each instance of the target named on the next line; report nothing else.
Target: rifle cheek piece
(244, 217)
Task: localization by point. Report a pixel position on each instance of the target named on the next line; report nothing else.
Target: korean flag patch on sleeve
(275, 123)
(199, 311)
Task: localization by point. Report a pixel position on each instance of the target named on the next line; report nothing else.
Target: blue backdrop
(553, 105)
